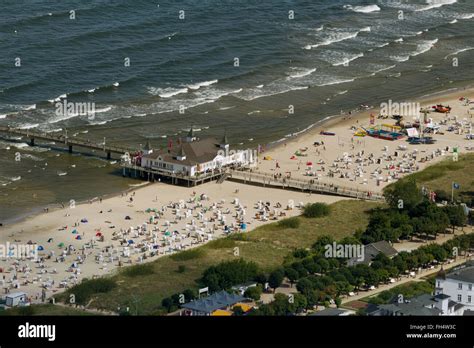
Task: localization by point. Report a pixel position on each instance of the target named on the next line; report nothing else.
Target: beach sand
(343, 148)
(109, 216)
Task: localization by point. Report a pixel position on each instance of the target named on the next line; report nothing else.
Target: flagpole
(452, 192)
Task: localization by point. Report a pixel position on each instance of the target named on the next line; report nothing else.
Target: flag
(456, 186)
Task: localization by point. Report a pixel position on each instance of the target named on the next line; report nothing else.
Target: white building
(458, 284)
(15, 299)
(194, 156)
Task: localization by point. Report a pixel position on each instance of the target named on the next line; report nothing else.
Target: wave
(335, 82)
(400, 58)
(202, 84)
(346, 61)
(28, 125)
(459, 51)
(384, 69)
(260, 94)
(422, 47)
(466, 16)
(335, 37)
(435, 4)
(57, 99)
(99, 111)
(363, 9)
(302, 73)
(30, 107)
(454, 21)
(399, 40)
(167, 92)
(425, 47)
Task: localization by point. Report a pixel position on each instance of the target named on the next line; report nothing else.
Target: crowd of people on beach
(176, 226)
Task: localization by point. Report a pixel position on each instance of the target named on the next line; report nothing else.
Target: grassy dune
(267, 245)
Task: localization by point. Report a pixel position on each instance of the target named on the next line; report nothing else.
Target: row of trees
(320, 287)
(410, 214)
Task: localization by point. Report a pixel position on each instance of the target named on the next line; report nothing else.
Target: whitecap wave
(363, 9)
(167, 92)
(431, 4)
(302, 72)
(198, 85)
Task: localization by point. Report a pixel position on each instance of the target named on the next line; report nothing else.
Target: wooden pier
(243, 175)
(154, 175)
(312, 186)
(67, 141)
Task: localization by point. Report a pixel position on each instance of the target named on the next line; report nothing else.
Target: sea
(262, 71)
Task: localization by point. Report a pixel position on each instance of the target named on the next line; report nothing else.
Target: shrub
(188, 255)
(316, 210)
(181, 268)
(300, 253)
(85, 290)
(292, 222)
(223, 243)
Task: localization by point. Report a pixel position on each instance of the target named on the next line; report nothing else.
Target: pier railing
(63, 139)
(316, 186)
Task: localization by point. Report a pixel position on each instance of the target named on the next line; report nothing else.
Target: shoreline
(335, 120)
(327, 123)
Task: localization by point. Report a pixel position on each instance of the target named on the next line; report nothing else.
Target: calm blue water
(334, 55)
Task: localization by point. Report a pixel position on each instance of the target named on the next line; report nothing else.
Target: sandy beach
(354, 161)
(93, 239)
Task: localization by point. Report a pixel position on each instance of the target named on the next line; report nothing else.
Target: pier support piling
(70, 148)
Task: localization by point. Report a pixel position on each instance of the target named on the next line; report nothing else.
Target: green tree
(254, 292)
(403, 194)
(276, 278)
(456, 216)
(292, 275)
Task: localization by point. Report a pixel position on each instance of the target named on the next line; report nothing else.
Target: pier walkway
(68, 141)
(245, 176)
(313, 186)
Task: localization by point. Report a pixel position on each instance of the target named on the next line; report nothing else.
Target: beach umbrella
(40, 248)
(78, 237)
(131, 241)
(98, 234)
(74, 231)
(309, 163)
(84, 220)
(50, 240)
(61, 245)
(127, 217)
